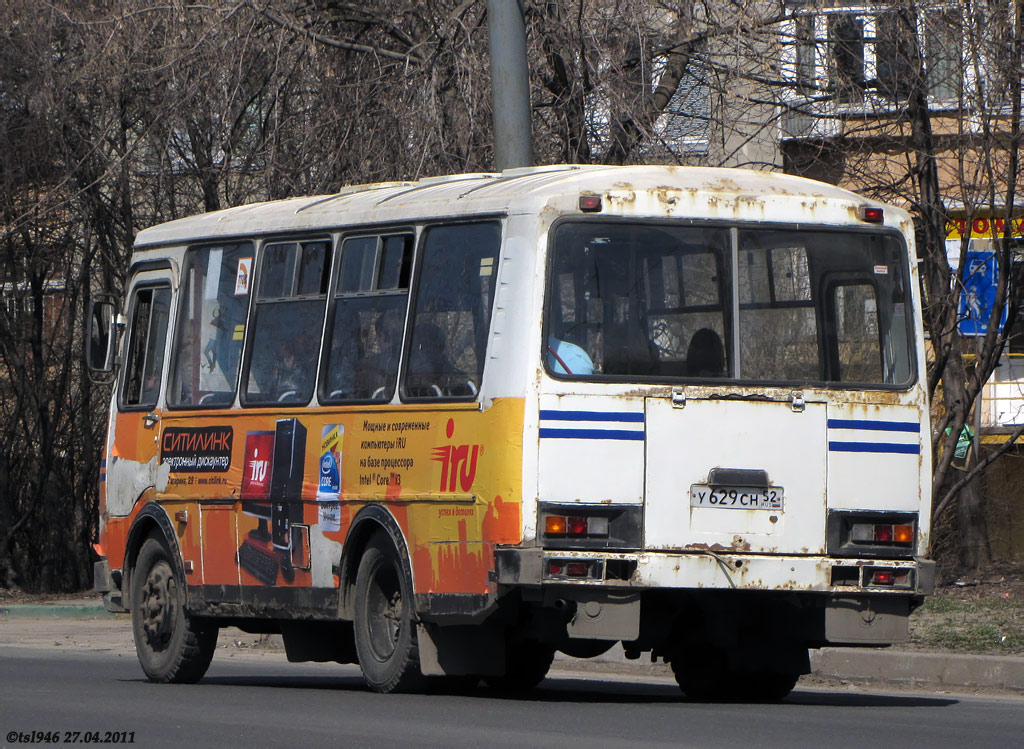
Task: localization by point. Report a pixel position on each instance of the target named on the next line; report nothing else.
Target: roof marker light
(872, 214)
(590, 203)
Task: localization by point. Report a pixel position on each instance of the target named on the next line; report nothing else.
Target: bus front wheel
(526, 664)
(385, 631)
(172, 646)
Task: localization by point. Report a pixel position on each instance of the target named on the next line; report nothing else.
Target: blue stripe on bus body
(590, 434)
(626, 416)
(874, 447)
(875, 426)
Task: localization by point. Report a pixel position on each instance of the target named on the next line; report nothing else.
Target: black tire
(171, 645)
(768, 687)
(385, 628)
(526, 664)
(703, 674)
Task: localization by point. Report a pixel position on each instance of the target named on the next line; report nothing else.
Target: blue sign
(979, 294)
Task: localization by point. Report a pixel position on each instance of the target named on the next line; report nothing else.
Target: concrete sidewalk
(85, 625)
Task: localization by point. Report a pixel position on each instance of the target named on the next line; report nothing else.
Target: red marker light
(577, 526)
(590, 203)
(576, 569)
(872, 214)
(882, 577)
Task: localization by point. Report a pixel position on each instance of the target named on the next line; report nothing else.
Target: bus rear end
(733, 453)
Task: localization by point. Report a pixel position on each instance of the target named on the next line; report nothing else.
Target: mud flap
(875, 620)
(476, 650)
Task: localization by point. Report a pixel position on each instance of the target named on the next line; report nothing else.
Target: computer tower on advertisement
(286, 480)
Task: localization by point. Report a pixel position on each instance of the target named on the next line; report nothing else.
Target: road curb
(53, 612)
(920, 669)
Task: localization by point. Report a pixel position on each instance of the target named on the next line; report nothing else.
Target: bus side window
(454, 297)
(362, 350)
(211, 325)
(146, 339)
(287, 323)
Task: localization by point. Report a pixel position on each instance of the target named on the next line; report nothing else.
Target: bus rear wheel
(704, 675)
(171, 645)
(385, 631)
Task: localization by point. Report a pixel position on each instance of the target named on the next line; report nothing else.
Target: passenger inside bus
(376, 369)
(292, 375)
(429, 365)
(705, 356)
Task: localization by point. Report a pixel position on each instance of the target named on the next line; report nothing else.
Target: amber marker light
(554, 525)
(903, 534)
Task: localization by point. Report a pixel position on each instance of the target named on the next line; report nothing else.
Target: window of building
(846, 41)
(942, 45)
(806, 52)
(896, 53)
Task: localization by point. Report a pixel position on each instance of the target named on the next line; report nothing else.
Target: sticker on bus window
(243, 275)
(881, 270)
(328, 490)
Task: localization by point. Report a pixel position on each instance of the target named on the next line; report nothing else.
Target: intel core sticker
(328, 492)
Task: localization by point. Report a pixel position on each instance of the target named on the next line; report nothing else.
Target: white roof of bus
(635, 190)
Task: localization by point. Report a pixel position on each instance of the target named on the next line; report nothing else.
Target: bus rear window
(654, 302)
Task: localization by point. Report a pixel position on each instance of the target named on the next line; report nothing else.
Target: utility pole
(510, 84)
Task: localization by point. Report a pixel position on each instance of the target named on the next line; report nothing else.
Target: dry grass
(975, 617)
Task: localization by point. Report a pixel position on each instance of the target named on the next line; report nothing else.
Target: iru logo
(458, 462)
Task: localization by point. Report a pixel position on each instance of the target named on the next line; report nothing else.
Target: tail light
(864, 533)
(574, 569)
(575, 526)
(887, 534)
(897, 578)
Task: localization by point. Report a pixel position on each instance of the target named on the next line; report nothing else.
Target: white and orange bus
(447, 428)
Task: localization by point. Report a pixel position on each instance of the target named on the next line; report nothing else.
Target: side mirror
(101, 338)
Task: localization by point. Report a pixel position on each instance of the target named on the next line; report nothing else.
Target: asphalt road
(266, 702)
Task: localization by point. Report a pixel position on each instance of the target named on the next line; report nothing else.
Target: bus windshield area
(640, 301)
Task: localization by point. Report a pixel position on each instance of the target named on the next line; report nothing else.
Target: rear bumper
(716, 570)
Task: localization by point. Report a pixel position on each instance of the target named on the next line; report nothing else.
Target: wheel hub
(386, 619)
(159, 598)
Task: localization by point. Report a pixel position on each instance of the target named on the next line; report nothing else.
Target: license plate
(736, 497)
